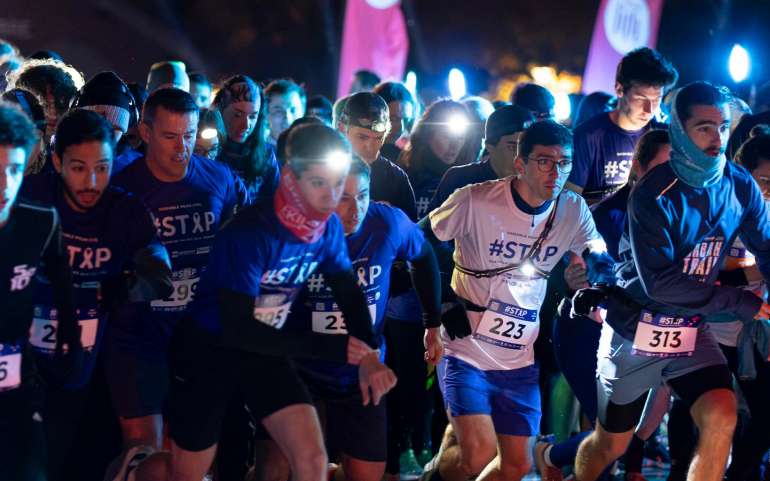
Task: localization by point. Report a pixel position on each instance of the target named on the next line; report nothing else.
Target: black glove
(589, 299)
(455, 321)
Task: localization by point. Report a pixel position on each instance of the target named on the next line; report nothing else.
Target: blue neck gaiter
(690, 164)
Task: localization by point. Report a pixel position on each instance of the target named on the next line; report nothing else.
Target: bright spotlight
(337, 160)
(739, 64)
(562, 108)
(457, 87)
(411, 83)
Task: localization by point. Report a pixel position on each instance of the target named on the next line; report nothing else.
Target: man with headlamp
(508, 235)
(365, 121)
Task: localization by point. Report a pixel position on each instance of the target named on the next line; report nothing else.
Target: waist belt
(470, 306)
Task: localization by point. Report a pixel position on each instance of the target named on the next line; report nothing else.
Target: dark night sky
(300, 38)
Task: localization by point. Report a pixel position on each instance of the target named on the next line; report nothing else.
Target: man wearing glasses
(509, 234)
(604, 145)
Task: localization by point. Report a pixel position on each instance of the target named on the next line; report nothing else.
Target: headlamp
(457, 124)
(208, 133)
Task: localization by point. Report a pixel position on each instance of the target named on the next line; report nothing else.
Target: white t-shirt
(491, 232)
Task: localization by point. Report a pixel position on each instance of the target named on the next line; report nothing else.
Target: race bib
(659, 335)
(507, 325)
(10, 366)
(332, 321)
(181, 296)
(42, 334)
(273, 316)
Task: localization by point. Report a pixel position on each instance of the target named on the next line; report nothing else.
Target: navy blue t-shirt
(460, 176)
(610, 219)
(235, 155)
(602, 155)
(255, 255)
(187, 215)
(385, 235)
(676, 242)
(100, 244)
(124, 159)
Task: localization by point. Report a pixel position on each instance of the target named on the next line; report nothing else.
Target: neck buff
(294, 212)
(690, 164)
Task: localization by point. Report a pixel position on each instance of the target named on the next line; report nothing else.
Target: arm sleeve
(352, 303)
(57, 270)
(248, 334)
(424, 273)
(452, 219)
(662, 276)
(427, 283)
(581, 160)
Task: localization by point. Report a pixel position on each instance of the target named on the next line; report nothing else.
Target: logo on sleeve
(22, 277)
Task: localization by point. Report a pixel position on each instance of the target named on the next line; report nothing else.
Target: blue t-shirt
(124, 159)
(385, 235)
(676, 242)
(255, 255)
(187, 215)
(610, 219)
(602, 156)
(460, 176)
(100, 244)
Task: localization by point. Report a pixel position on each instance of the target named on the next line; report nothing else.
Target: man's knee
(310, 465)
(476, 454)
(716, 411)
(610, 446)
(515, 469)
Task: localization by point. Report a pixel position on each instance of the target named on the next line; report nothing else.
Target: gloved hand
(455, 321)
(588, 300)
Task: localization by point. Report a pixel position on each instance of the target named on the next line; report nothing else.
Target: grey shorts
(624, 376)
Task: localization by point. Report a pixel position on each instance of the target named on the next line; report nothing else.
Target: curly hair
(42, 77)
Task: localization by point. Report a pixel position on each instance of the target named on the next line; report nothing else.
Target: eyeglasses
(546, 164)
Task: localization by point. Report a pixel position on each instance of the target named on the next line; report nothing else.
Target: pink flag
(375, 39)
(621, 26)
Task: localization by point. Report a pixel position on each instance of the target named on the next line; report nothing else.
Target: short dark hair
(16, 130)
(699, 93)
(198, 78)
(649, 145)
(394, 92)
(323, 106)
(284, 86)
(367, 78)
(174, 100)
(308, 143)
(546, 132)
(756, 150)
(280, 144)
(79, 126)
(645, 66)
(359, 167)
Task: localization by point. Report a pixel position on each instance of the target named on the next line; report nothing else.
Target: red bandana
(294, 212)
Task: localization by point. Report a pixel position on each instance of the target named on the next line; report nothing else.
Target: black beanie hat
(108, 95)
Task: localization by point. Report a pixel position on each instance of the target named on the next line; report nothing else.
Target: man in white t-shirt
(509, 234)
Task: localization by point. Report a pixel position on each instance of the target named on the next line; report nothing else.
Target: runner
(234, 344)
(681, 218)
(31, 238)
(605, 143)
(521, 226)
(114, 254)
